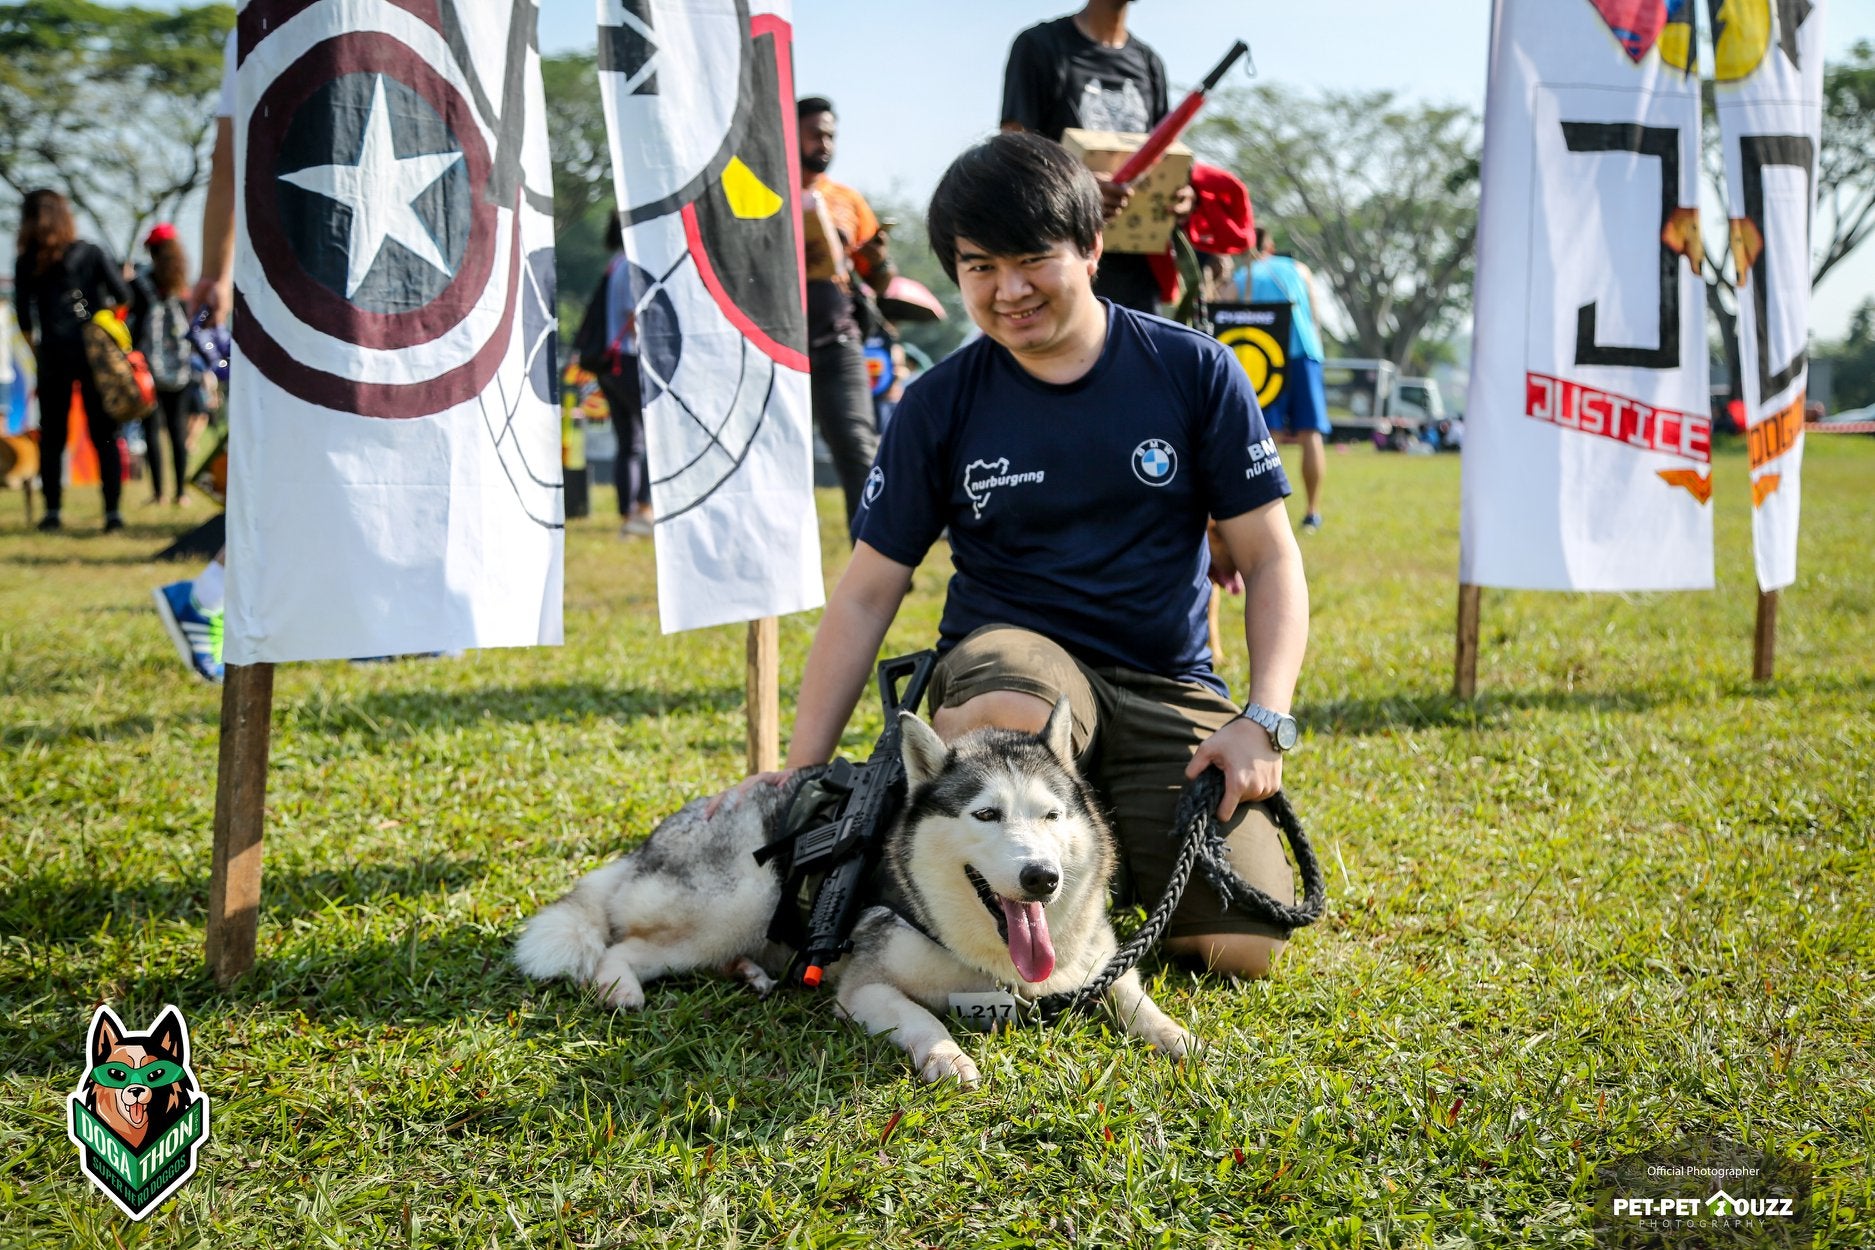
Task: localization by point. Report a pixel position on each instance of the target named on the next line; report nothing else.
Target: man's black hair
(1013, 195)
(1263, 238)
(811, 105)
(614, 233)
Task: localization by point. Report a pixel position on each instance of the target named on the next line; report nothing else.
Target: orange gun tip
(811, 977)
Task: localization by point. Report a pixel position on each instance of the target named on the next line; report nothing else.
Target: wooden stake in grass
(240, 818)
(764, 695)
(1764, 642)
(1465, 669)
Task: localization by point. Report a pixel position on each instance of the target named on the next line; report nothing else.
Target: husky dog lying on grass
(994, 877)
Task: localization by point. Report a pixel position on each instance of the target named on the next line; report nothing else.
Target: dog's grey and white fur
(1001, 854)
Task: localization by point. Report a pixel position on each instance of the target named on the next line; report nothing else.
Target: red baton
(1166, 133)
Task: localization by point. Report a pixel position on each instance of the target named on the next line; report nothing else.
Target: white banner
(1769, 65)
(1588, 429)
(394, 478)
(699, 99)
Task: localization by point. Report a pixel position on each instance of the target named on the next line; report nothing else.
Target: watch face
(1286, 733)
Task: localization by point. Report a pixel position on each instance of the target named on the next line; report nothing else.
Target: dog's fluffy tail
(567, 938)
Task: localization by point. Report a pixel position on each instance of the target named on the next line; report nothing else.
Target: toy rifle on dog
(1166, 133)
(843, 849)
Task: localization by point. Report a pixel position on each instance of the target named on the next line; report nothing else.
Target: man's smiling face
(1029, 303)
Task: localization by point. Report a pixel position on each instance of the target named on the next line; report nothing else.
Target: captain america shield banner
(395, 481)
(699, 100)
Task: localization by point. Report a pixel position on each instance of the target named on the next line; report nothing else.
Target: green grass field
(1621, 899)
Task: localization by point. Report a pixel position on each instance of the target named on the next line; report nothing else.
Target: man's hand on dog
(1252, 768)
(735, 793)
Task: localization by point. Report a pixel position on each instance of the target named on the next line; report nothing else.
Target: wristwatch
(1280, 726)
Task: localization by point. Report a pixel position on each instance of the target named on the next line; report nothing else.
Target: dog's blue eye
(987, 814)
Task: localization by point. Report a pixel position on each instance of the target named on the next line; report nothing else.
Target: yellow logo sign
(1262, 358)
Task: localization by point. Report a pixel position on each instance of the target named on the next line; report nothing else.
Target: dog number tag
(986, 1013)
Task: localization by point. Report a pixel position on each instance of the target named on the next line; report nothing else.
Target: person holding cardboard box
(1085, 72)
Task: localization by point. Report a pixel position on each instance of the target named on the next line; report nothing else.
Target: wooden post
(1764, 644)
(764, 695)
(240, 803)
(1465, 670)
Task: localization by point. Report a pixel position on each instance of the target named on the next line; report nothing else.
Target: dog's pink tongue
(1029, 947)
(135, 1114)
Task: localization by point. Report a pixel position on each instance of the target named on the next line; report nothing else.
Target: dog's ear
(1058, 732)
(924, 752)
(106, 1032)
(168, 1035)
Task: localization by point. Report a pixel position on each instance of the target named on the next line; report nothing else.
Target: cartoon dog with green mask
(139, 1084)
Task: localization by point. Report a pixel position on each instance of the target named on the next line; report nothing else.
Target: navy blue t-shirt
(1078, 511)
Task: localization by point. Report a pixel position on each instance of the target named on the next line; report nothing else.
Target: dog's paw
(946, 1062)
(624, 995)
(1176, 1043)
(751, 974)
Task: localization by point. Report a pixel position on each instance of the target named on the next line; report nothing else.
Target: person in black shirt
(59, 281)
(1085, 71)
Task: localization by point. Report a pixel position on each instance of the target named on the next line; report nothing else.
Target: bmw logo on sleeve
(1154, 462)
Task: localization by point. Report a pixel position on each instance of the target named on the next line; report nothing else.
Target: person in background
(607, 344)
(191, 610)
(1300, 413)
(1085, 71)
(160, 326)
(844, 246)
(59, 281)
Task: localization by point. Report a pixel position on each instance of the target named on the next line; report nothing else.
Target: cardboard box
(1146, 224)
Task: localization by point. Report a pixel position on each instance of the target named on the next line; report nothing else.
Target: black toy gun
(844, 848)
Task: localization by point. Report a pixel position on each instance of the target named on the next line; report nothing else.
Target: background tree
(1378, 195)
(583, 194)
(1845, 170)
(114, 107)
(1854, 360)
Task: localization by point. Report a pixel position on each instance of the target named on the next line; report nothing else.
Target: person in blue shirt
(1074, 453)
(1300, 413)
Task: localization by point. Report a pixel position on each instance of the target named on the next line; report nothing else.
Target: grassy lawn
(1622, 899)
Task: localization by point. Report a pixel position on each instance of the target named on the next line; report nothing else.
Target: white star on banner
(381, 192)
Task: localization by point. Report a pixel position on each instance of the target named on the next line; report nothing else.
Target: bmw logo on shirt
(1154, 462)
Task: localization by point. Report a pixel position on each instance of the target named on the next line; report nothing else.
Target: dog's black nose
(1039, 880)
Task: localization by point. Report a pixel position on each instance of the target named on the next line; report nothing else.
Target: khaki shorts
(1134, 735)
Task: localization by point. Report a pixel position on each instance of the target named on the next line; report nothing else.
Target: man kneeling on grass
(1074, 452)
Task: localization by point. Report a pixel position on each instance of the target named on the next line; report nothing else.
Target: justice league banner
(1769, 96)
(395, 481)
(699, 100)
(1588, 434)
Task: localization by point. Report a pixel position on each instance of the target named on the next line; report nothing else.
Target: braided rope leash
(1201, 841)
